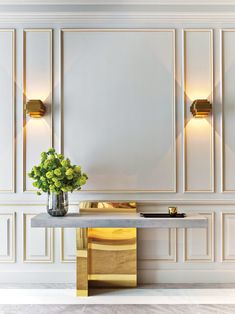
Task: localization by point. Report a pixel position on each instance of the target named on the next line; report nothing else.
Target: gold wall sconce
(200, 108)
(35, 108)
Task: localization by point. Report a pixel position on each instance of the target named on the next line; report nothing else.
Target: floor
(161, 298)
(117, 309)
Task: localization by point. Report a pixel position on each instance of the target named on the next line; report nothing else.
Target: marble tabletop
(116, 220)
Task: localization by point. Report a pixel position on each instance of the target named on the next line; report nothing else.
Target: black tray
(161, 215)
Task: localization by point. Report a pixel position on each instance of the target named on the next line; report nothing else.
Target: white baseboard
(38, 277)
(186, 276)
(144, 276)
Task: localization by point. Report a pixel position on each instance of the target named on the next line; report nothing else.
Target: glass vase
(57, 204)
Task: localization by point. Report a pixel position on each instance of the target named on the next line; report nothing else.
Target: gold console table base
(106, 257)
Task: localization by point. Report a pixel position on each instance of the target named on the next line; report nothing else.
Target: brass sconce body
(200, 108)
(35, 108)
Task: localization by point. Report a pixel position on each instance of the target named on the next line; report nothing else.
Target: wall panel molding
(38, 243)
(7, 106)
(67, 254)
(208, 242)
(147, 19)
(171, 189)
(227, 237)
(156, 246)
(164, 255)
(141, 3)
(7, 238)
(37, 84)
(198, 165)
(141, 202)
(227, 99)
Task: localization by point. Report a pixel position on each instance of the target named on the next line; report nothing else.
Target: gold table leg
(106, 256)
(82, 262)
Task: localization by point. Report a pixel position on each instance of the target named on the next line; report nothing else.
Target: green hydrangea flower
(51, 150)
(56, 174)
(77, 169)
(51, 157)
(49, 174)
(46, 164)
(30, 174)
(69, 172)
(82, 180)
(65, 162)
(58, 184)
(43, 155)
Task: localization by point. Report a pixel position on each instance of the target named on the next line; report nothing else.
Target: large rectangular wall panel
(37, 242)
(118, 96)
(7, 109)
(37, 84)
(228, 103)
(7, 237)
(198, 133)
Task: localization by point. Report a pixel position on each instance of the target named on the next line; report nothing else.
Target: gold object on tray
(172, 211)
(106, 257)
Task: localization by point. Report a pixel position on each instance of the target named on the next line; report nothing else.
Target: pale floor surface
(146, 286)
(146, 299)
(117, 309)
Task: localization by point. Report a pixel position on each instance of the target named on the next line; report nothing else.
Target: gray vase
(57, 204)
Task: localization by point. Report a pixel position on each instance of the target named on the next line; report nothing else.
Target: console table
(106, 240)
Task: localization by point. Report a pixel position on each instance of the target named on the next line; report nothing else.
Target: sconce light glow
(200, 108)
(35, 108)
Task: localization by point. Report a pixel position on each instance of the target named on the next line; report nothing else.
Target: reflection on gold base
(82, 262)
(112, 280)
(82, 293)
(106, 257)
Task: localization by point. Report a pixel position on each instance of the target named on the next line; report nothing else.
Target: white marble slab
(76, 220)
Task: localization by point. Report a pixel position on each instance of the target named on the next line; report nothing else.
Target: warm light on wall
(200, 108)
(35, 108)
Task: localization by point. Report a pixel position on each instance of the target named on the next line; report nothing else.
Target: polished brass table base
(106, 257)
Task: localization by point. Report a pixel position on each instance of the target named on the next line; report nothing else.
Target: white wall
(118, 98)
